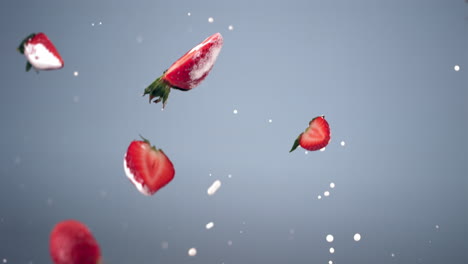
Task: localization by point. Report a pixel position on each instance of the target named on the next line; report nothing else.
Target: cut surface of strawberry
(40, 53)
(71, 242)
(188, 71)
(148, 168)
(315, 137)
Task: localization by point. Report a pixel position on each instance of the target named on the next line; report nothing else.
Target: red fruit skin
(188, 71)
(44, 40)
(71, 242)
(181, 73)
(315, 137)
(148, 168)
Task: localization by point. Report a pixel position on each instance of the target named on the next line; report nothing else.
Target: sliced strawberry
(40, 52)
(188, 71)
(315, 137)
(148, 168)
(71, 242)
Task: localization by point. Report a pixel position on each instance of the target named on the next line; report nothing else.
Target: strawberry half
(148, 168)
(188, 71)
(40, 52)
(71, 242)
(315, 137)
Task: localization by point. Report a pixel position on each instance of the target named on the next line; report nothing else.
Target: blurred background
(389, 76)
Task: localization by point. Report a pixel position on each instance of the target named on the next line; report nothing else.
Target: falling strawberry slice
(188, 71)
(71, 242)
(40, 52)
(315, 137)
(148, 168)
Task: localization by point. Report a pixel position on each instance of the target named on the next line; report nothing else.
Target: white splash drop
(269, 120)
(205, 63)
(393, 255)
(332, 185)
(5, 260)
(92, 24)
(329, 238)
(214, 187)
(326, 193)
(357, 237)
(192, 252)
(229, 243)
(209, 174)
(41, 58)
(229, 176)
(210, 20)
(456, 67)
(343, 143)
(231, 27)
(209, 225)
(322, 149)
(437, 226)
(330, 262)
(332, 250)
(234, 111)
(75, 73)
(189, 14)
(319, 197)
(306, 152)
(100, 23)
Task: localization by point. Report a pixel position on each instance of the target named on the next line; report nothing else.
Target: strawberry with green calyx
(315, 137)
(147, 167)
(40, 53)
(188, 71)
(71, 242)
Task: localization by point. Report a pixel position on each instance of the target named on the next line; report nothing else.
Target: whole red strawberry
(40, 52)
(188, 71)
(71, 242)
(148, 168)
(315, 137)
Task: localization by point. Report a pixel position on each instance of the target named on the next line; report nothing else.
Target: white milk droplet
(210, 20)
(209, 225)
(319, 197)
(75, 73)
(189, 14)
(192, 252)
(235, 111)
(332, 185)
(269, 120)
(322, 149)
(332, 250)
(343, 143)
(214, 187)
(306, 152)
(229, 243)
(330, 262)
(456, 67)
(326, 193)
(357, 237)
(329, 238)
(231, 27)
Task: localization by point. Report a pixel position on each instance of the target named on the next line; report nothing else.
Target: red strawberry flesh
(315, 137)
(71, 242)
(148, 168)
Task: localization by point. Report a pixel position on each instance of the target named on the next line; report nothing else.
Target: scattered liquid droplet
(209, 225)
(319, 197)
(210, 20)
(456, 67)
(343, 143)
(235, 111)
(332, 250)
(231, 27)
(322, 149)
(326, 193)
(332, 185)
(75, 73)
(189, 14)
(192, 252)
(329, 238)
(357, 237)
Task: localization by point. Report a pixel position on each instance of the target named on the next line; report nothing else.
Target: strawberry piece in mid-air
(315, 137)
(40, 52)
(188, 71)
(147, 167)
(71, 242)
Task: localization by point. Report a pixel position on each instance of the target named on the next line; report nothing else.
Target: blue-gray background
(382, 72)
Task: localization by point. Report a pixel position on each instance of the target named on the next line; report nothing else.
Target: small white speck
(357, 237)
(235, 111)
(393, 255)
(306, 152)
(165, 245)
(269, 120)
(75, 73)
(332, 185)
(209, 225)
(5, 260)
(100, 23)
(92, 24)
(229, 176)
(322, 149)
(437, 226)
(214, 187)
(456, 67)
(229, 243)
(330, 262)
(192, 252)
(329, 238)
(326, 193)
(241, 232)
(231, 27)
(319, 197)
(210, 20)
(189, 14)
(209, 174)
(332, 250)
(343, 143)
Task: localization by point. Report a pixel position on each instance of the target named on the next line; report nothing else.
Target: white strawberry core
(41, 58)
(140, 186)
(205, 64)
